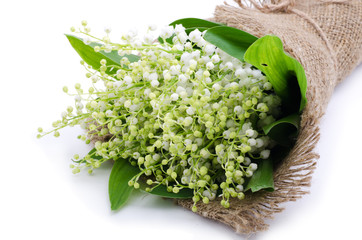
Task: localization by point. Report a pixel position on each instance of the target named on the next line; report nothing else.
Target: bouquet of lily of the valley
(202, 112)
(186, 114)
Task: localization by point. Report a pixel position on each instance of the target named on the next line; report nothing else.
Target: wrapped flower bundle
(209, 114)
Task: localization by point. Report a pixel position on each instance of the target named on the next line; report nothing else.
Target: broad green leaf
(191, 24)
(92, 58)
(94, 155)
(161, 190)
(168, 40)
(285, 73)
(201, 29)
(114, 56)
(262, 177)
(91, 153)
(233, 41)
(284, 130)
(118, 189)
(195, 23)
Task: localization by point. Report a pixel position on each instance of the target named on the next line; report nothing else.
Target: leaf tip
(114, 208)
(68, 36)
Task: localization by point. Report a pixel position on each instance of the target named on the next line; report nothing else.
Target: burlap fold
(326, 38)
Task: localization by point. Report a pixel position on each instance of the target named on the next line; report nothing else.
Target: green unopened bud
(205, 200)
(130, 183)
(194, 208)
(196, 198)
(201, 183)
(198, 134)
(203, 170)
(175, 190)
(174, 175)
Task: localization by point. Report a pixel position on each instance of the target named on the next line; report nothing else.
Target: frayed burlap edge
(325, 36)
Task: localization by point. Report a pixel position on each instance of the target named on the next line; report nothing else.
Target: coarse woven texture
(326, 38)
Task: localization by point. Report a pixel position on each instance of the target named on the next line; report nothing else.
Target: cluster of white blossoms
(186, 114)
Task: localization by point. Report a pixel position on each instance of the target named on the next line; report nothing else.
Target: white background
(39, 196)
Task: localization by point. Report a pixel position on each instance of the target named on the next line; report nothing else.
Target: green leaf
(195, 23)
(284, 130)
(285, 73)
(168, 40)
(90, 153)
(191, 24)
(92, 58)
(201, 29)
(262, 177)
(94, 155)
(118, 189)
(233, 41)
(161, 190)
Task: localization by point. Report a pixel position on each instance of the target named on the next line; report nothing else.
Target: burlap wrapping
(326, 38)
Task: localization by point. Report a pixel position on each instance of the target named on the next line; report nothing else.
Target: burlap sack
(326, 37)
